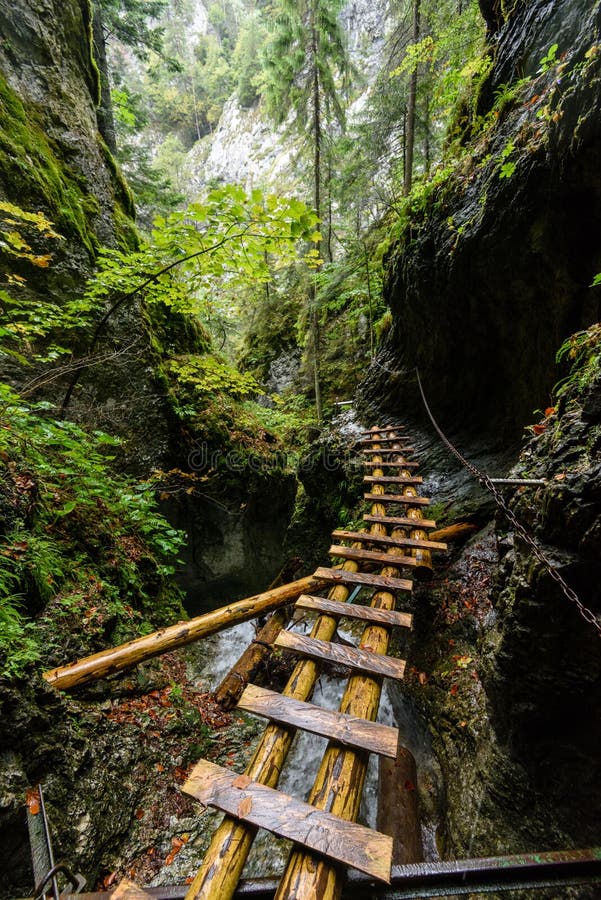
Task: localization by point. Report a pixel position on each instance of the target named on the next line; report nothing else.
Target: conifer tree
(306, 66)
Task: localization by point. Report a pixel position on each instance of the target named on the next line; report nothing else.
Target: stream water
(269, 854)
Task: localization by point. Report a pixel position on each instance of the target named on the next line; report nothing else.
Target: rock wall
(490, 274)
(492, 269)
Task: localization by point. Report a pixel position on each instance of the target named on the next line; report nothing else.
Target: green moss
(123, 194)
(34, 172)
(88, 21)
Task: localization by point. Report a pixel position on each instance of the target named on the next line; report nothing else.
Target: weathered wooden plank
(369, 537)
(389, 450)
(400, 521)
(348, 730)
(378, 440)
(393, 479)
(395, 464)
(397, 498)
(371, 556)
(127, 890)
(320, 831)
(354, 611)
(115, 659)
(342, 576)
(352, 657)
(386, 428)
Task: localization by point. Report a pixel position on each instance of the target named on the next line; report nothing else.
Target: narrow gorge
(209, 296)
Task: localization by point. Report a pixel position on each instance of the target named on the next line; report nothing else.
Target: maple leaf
(245, 806)
(33, 801)
(242, 781)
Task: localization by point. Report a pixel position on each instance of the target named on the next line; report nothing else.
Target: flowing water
(269, 854)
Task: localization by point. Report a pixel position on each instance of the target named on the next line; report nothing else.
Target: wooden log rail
(315, 867)
(116, 659)
(325, 835)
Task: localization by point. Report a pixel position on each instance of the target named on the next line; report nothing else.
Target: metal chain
(486, 482)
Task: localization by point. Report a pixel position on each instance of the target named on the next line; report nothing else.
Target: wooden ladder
(324, 830)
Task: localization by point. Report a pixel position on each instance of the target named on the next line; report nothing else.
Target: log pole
(338, 786)
(397, 807)
(224, 860)
(256, 654)
(107, 662)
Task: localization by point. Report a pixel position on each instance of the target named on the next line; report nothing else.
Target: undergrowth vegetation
(86, 557)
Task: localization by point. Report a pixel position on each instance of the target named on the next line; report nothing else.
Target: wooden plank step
(389, 440)
(353, 657)
(371, 556)
(397, 464)
(384, 429)
(393, 479)
(368, 537)
(401, 521)
(320, 831)
(388, 450)
(397, 498)
(354, 611)
(384, 582)
(351, 731)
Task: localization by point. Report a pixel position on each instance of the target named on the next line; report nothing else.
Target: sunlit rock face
(494, 271)
(247, 148)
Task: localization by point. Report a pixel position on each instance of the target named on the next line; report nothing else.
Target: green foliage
(128, 21)
(208, 376)
(549, 59)
(229, 237)
(19, 648)
(78, 541)
(582, 351)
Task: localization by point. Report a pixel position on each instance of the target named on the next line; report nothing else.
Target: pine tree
(306, 66)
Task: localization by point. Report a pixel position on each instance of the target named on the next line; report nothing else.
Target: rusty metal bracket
(77, 882)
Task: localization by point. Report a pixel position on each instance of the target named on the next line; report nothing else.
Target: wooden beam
(256, 654)
(397, 498)
(338, 785)
(455, 532)
(366, 537)
(397, 807)
(383, 582)
(362, 660)
(402, 521)
(386, 428)
(346, 842)
(349, 730)
(389, 440)
(230, 845)
(115, 659)
(354, 611)
(396, 464)
(371, 556)
(374, 450)
(393, 479)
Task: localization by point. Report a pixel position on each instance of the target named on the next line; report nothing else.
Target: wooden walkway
(326, 838)
(377, 562)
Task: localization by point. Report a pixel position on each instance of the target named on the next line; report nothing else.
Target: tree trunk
(104, 112)
(411, 103)
(317, 204)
